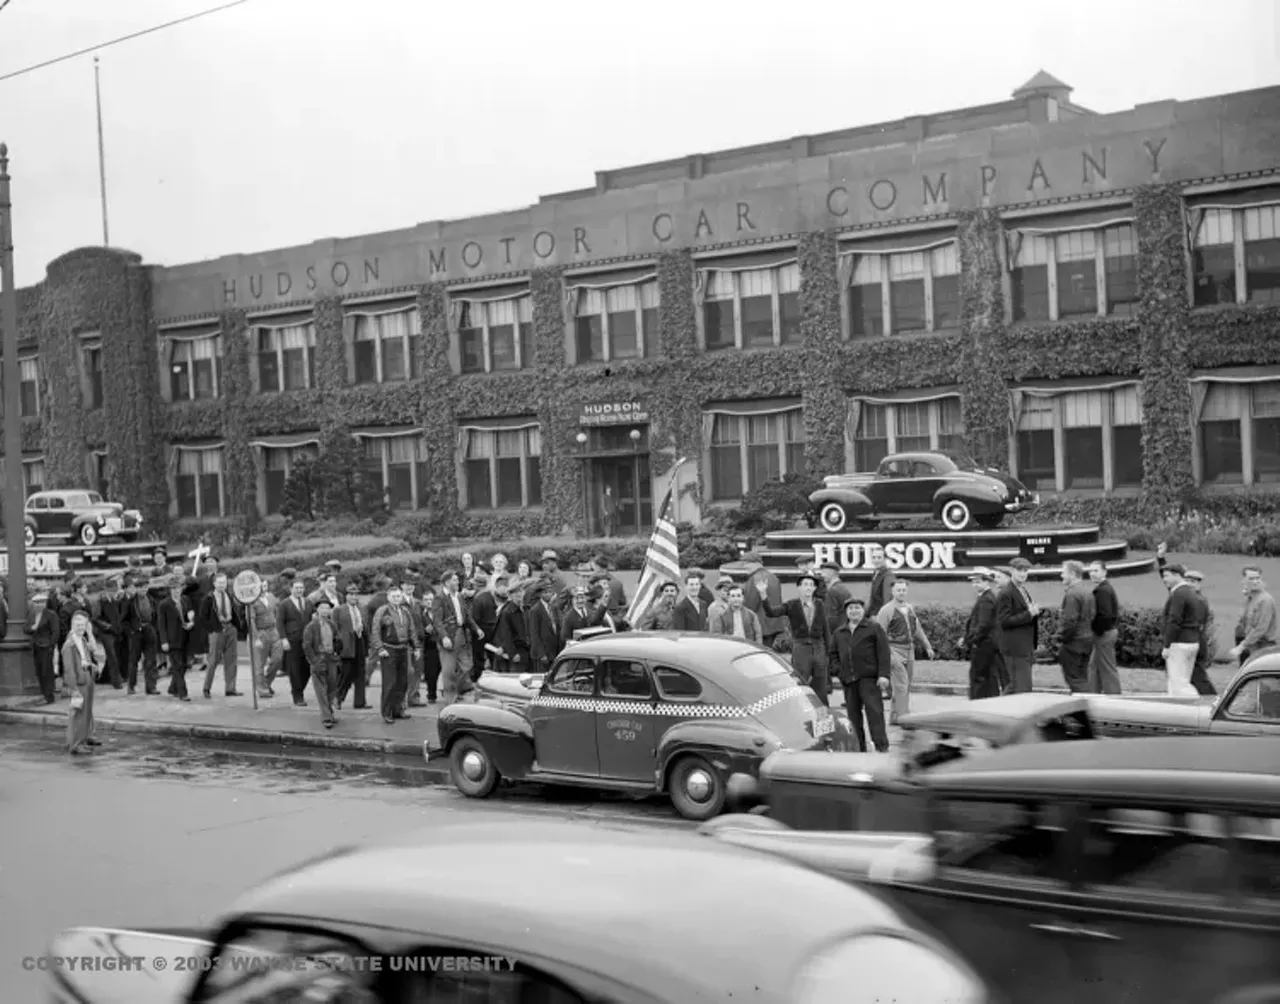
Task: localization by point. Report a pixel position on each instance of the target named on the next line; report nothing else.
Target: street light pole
(16, 660)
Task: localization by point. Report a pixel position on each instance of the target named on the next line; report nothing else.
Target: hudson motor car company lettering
(1047, 176)
(916, 555)
(613, 413)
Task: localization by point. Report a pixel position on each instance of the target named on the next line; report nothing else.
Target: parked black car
(943, 485)
(79, 516)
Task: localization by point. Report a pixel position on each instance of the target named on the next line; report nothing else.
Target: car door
(996, 893)
(892, 487)
(1254, 708)
(625, 724)
(1166, 907)
(60, 516)
(38, 508)
(928, 480)
(564, 719)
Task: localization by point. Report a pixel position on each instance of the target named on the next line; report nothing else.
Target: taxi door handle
(1074, 931)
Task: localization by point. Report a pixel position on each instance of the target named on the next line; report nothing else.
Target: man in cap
(1208, 649)
(328, 587)
(421, 623)
(1257, 627)
(140, 634)
(395, 642)
(159, 564)
(220, 618)
(456, 630)
(1185, 613)
(981, 641)
(1103, 676)
(174, 618)
(43, 629)
(735, 619)
(578, 617)
(107, 617)
(810, 635)
(1019, 618)
(484, 611)
(902, 627)
(352, 623)
(860, 651)
(808, 565)
(1075, 628)
(323, 650)
(721, 602)
(615, 597)
(837, 594)
(559, 593)
(267, 652)
(661, 613)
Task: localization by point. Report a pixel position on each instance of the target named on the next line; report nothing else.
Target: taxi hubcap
(698, 785)
(473, 765)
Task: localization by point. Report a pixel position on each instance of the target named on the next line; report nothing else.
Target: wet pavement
(155, 832)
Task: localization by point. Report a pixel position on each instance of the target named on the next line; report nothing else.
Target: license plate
(823, 726)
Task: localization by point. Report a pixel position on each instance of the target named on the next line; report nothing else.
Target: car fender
(30, 521)
(981, 498)
(85, 517)
(507, 735)
(852, 499)
(731, 746)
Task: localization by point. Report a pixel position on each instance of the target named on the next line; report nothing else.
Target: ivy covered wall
(984, 358)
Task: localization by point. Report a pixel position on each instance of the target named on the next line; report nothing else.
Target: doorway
(631, 488)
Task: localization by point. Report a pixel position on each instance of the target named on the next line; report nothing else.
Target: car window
(1019, 839)
(1258, 698)
(895, 469)
(267, 965)
(1258, 840)
(624, 678)
(94, 498)
(38, 503)
(676, 684)
(57, 503)
(759, 665)
(573, 676)
(922, 469)
(77, 501)
(430, 976)
(1155, 851)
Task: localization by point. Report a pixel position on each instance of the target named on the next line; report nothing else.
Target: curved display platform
(942, 555)
(47, 563)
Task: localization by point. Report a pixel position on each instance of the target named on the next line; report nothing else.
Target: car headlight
(102, 521)
(887, 967)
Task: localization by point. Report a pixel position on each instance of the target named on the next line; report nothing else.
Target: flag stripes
(661, 563)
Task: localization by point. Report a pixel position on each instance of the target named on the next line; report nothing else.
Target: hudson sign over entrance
(1004, 168)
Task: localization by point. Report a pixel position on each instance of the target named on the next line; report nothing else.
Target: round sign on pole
(247, 587)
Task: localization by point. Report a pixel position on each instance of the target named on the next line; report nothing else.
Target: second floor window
(617, 323)
(751, 308)
(195, 368)
(286, 357)
(29, 370)
(1077, 273)
(495, 335)
(904, 291)
(91, 358)
(385, 346)
(33, 475)
(1236, 255)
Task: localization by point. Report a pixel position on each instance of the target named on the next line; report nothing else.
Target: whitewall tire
(833, 518)
(956, 515)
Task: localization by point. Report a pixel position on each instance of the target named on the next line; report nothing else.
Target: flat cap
(1194, 575)
(1176, 568)
(289, 573)
(549, 555)
(981, 575)
(334, 565)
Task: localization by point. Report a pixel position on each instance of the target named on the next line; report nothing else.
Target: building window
(29, 396)
(277, 464)
(1080, 440)
(1085, 272)
(751, 308)
(1236, 255)
(400, 464)
(495, 335)
(894, 427)
(899, 292)
(384, 347)
(749, 450)
(91, 363)
(198, 483)
(503, 468)
(286, 358)
(616, 323)
(195, 368)
(33, 475)
(1266, 432)
(1239, 429)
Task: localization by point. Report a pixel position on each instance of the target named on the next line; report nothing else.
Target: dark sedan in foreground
(1114, 871)
(548, 913)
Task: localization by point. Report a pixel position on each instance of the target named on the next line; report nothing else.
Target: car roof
(1267, 660)
(918, 455)
(996, 719)
(1212, 770)
(697, 651)
(668, 912)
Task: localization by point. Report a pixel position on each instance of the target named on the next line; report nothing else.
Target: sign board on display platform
(916, 555)
(39, 563)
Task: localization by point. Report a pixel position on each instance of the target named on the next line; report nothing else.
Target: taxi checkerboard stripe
(671, 708)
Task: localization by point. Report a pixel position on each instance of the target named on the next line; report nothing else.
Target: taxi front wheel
(472, 769)
(697, 790)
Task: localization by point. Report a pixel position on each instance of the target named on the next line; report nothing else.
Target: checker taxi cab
(639, 711)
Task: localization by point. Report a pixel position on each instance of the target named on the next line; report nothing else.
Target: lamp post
(17, 665)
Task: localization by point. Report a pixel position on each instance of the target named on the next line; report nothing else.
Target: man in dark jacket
(761, 585)
(836, 595)
(1185, 613)
(860, 650)
(981, 641)
(810, 636)
(1103, 677)
(174, 619)
(1075, 627)
(292, 617)
(43, 629)
(690, 614)
(107, 614)
(140, 633)
(882, 580)
(1019, 618)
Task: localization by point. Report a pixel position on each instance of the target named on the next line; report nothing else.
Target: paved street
(153, 832)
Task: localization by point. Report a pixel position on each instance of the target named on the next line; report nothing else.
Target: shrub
(775, 505)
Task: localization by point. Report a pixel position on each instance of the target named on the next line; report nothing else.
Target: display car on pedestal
(78, 516)
(855, 515)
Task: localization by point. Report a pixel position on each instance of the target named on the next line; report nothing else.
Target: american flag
(661, 562)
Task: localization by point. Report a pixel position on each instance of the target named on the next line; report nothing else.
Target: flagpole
(102, 157)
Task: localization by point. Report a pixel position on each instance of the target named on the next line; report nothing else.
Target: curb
(261, 737)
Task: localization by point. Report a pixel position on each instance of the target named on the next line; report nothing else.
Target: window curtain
(852, 418)
(574, 298)
(845, 270)
(1015, 408)
(1199, 394)
(297, 336)
(701, 286)
(708, 427)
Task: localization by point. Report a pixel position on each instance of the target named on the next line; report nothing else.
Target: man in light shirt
(902, 627)
(1256, 629)
(721, 603)
(736, 619)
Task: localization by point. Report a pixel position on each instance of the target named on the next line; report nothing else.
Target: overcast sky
(280, 122)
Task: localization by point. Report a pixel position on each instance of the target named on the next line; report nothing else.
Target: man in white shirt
(736, 619)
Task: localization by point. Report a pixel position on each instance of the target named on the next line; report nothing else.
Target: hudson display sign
(915, 555)
(614, 413)
(38, 563)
